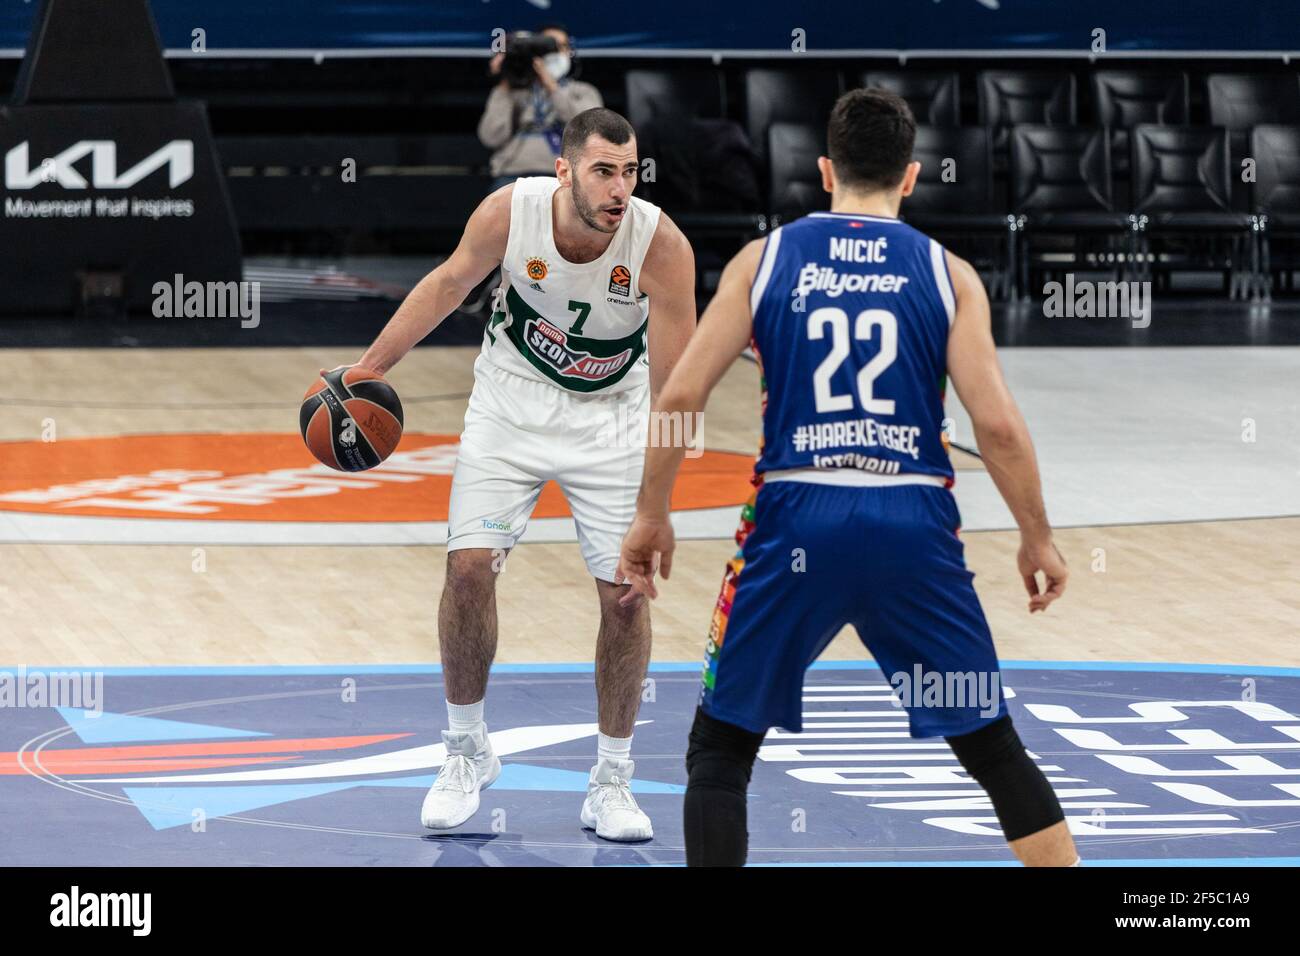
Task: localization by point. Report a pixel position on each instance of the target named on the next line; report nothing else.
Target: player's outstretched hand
(1045, 558)
(647, 548)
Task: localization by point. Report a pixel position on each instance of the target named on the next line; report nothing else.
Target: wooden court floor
(1203, 592)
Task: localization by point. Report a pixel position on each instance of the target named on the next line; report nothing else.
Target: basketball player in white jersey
(596, 304)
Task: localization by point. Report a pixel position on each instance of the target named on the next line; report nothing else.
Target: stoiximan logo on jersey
(552, 345)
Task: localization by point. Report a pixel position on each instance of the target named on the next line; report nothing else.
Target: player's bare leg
(467, 623)
(1052, 846)
(622, 656)
(467, 639)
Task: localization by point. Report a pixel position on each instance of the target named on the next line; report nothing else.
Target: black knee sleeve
(719, 760)
(1022, 798)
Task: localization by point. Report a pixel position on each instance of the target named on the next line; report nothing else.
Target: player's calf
(467, 623)
(1026, 806)
(622, 658)
(719, 762)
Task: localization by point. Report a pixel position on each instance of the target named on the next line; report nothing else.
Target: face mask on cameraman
(556, 64)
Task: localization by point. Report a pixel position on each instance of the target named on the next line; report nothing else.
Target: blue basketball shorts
(887, 560)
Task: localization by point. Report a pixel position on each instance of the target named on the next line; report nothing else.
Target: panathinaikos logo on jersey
(562, 354)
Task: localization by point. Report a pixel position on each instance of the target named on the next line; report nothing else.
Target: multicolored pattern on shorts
(727, 594)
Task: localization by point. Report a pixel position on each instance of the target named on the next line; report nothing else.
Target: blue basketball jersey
(851, 318)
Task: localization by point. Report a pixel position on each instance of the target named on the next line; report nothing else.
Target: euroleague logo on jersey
(620, 281)
(553, 345)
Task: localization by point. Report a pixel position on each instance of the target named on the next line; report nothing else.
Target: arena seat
(935, 98)
(786, 96)
(1240, 101)
(1061, 184)
(1277, 203)
(794, 183)
(953, 201)
(294, 184)
(1182, 198)
(1009, 97)
(1124, 98)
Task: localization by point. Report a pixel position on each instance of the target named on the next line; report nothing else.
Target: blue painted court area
(1155, 764)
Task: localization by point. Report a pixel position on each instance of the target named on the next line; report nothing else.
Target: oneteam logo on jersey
(552, 345)
(620, 281)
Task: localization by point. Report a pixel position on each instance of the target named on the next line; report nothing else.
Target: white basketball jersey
(581, 326)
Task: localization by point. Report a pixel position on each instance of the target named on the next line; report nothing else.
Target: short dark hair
(598, 121)
(870, 138)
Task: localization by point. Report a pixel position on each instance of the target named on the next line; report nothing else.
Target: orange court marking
(263, 476)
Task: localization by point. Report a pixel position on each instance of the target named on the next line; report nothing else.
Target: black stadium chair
(794, 182)
(1063, 189)
(966, 191)
(1011, 97)
(666, 108)
(1182, 196)
(660, 101)
(1277, 202)
(1062, 175)
(953, 201)
(934, 97)
(786, 96)
(404, 184)
(656, 95)
(1127, 98)
(1241, 101)
(1180, 175)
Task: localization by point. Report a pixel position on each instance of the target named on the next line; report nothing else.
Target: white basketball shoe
(470, 766)
(610, 809)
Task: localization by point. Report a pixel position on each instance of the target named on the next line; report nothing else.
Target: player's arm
(1001, 433)
(668, 278)
(723, 333)
(481, 249)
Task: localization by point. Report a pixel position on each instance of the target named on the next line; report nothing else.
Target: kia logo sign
(177, 156)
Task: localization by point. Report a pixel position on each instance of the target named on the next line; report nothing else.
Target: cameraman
(525, 114)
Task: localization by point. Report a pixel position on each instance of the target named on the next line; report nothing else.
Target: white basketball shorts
(519, 434)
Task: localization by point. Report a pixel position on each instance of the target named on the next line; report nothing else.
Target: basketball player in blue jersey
(857, 319)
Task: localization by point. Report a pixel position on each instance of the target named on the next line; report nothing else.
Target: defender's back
(851, 318)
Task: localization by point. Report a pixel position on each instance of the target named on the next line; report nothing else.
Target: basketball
(351, 419)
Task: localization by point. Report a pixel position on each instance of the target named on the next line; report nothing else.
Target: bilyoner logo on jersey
(552, 345)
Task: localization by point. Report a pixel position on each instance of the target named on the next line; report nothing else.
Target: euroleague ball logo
(620, 281)
(536, 268)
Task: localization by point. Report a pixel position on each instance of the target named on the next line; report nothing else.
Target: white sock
(1078, 861)
(464, 718)
(613, 748)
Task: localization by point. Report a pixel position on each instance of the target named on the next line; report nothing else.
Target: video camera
(521, 47)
